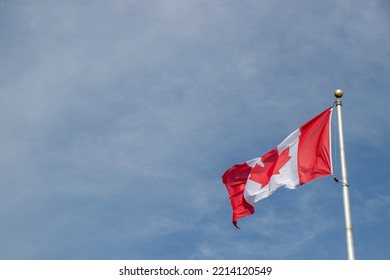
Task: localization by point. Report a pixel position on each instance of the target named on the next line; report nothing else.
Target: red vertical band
(314, 150)
(235, 180)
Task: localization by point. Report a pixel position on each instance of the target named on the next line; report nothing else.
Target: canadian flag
(303, 156)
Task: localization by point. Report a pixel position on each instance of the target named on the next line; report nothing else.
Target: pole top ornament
(338, 93)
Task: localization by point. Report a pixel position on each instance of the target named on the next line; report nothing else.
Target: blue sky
(119, 117)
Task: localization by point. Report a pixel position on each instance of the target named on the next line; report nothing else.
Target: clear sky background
(119, 117)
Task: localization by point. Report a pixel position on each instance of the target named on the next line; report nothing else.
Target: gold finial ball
(338, 93)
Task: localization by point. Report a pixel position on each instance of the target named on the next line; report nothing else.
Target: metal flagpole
(344, 180)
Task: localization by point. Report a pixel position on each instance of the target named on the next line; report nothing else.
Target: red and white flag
(303, 156)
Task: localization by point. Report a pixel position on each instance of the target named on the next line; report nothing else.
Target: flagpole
(344, 180)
